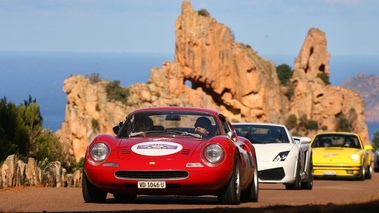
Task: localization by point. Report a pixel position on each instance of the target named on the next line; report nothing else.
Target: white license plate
(151, 184)
(330, 173)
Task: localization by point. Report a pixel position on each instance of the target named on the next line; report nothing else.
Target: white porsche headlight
(355, 157)
(214, 153)
(99, 151)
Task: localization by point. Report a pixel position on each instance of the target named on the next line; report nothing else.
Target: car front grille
(271, 174)
(147, 175)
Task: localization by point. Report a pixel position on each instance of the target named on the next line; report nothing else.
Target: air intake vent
(146, 175)
(185, 151)
(125, 150)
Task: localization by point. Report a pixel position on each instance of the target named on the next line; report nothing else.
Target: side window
(225, 125)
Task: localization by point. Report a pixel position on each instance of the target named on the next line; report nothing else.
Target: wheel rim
(237, 182)
(256, 181)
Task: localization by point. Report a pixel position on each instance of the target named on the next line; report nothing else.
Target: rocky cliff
(368, 87)
(212, 70)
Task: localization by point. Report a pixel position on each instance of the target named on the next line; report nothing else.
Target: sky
(147, 26)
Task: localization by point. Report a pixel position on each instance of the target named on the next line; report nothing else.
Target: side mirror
(368, 147)
(232, 136)
(296, 139)
(305, 140)
(116, 129)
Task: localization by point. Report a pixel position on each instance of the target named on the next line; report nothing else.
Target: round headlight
(214, 153)
(355, 157)
(99, 151)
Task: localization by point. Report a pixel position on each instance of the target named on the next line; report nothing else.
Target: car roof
(177, 108)
(338, 133)
(258, 123)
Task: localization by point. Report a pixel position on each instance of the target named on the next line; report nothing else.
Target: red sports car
(171, 151)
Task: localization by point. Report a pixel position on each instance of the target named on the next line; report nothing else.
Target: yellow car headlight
(355, 157)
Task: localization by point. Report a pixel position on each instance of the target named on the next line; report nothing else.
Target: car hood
(267, 152)
(334, 155)
(158, 147)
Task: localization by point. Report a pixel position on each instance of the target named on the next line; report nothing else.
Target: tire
(251, 195)
(232, 193)
(297, 183)
(90, 193)
(124, 198)
(309, 183)
(362, 173)
(369, 172)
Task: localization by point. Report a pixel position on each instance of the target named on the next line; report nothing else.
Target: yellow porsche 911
(342, 155)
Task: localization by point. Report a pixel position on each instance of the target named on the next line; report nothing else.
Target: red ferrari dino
(171, 151)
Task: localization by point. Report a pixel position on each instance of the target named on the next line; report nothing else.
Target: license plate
(151, 184)
(330, 173)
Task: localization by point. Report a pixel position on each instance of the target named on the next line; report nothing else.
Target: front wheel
(251, 194)
(309, 182)
(232, 193)
(362, 173)
(369, 171)
(297, 183)
(90, 193)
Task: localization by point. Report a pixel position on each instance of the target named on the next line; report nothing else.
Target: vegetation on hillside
(324, 77)
(301, 125)
(21, 133)
(284, 73)
(203, 12)
(116, 92)
(375, 140)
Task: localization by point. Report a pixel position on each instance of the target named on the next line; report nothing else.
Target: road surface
(326, 196)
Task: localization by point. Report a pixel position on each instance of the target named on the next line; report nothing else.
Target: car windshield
(174, 123)
(336, 140)
(261, 134)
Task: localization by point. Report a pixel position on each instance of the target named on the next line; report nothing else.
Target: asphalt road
(326, 196)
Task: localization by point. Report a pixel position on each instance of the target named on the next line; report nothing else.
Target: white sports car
(281, 157)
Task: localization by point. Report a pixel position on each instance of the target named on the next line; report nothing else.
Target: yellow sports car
(341, 154)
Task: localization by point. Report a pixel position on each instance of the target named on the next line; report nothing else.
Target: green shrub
(291, 122)
(21, 133)
(343, 124)
(312, 125)
(203, 12)
(116, 92)
(95, 124)
(94, 77)
(284, 73)
(324, 77)
(375, 140)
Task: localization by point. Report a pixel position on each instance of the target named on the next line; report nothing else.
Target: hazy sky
(269, 26)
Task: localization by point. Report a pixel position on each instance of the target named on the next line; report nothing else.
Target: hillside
(368, 87)
(212, 70)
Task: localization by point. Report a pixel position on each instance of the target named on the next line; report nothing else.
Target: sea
(41, 74)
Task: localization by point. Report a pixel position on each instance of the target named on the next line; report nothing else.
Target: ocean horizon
(41, 74)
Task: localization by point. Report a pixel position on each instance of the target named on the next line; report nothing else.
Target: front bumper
(186, 181)
(277, 172)
(337, 170)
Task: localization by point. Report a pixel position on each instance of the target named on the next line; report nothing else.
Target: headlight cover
(355, 157)
(99, 152)
(214, 153)
(281, 156)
